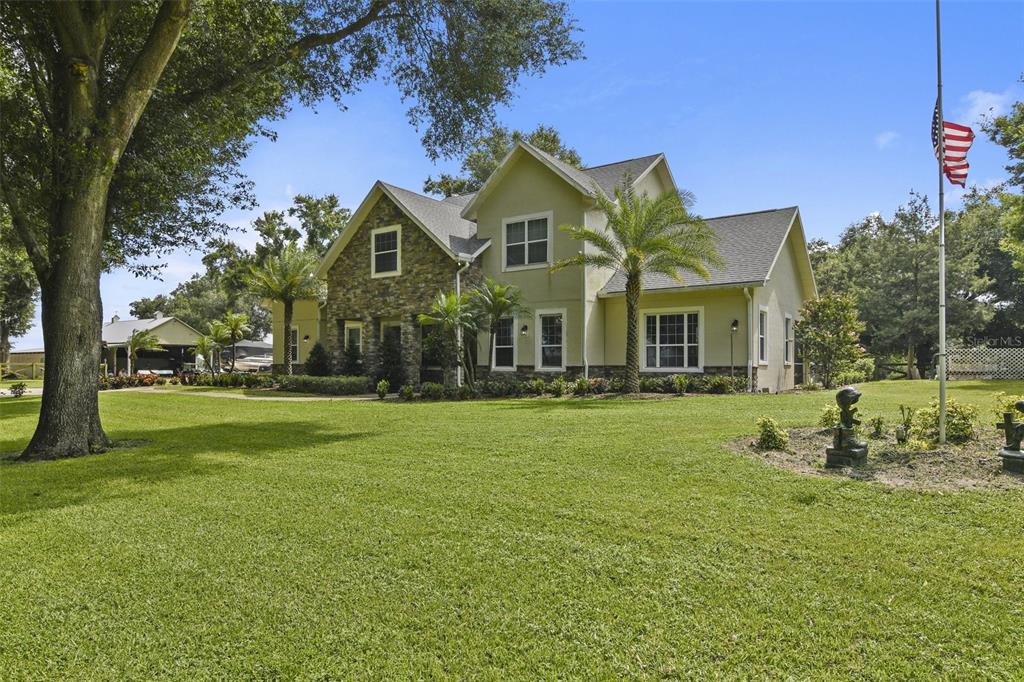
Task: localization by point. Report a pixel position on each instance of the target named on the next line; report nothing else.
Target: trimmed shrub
(383, 387)
(616, 384)
(17, 390)
(430, 390)
(960, 420)
(467, 392)
(829, 416)
(407, 392)
(160, 381)
(680, 383)
(318, 362)
(558, 387)
(303, 383)
(598, 385)
(1004, 402)
(537, 387)
(174, 381)
(502, 388)
(770, 436)
(581, 386)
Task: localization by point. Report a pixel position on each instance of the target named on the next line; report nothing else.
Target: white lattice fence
(986, 363)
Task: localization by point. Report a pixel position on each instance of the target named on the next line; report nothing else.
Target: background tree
(645, 235)
(125, 123)
(140, 339)
(220, 337)
(205, 348)
(490, 303)
(18, 290)
(237, 326)
(288, 277)
(320, 219)
(829, 333)
(1008, 131)
(890, 267)
(487, 151)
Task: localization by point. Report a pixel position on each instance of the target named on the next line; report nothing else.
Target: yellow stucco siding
(718, 308)
(783, 294)
(306, 322)
(530, 188)
(175, 333)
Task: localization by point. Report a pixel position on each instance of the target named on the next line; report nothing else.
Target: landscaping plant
(829, 332)
(960, 421)
(383, 387)
(17, 390)
(318, 362)
(407, 392)
(770, 435)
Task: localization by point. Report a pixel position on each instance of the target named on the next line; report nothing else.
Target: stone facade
(353, 295)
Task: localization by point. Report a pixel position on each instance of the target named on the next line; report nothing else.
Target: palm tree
(205, 348)
(237, 326)
(220, 336)
(455, 317)
(141, 339)
(492, 302)
(287, 277)
(645, 235)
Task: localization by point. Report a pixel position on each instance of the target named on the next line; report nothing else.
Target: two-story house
(400, 248)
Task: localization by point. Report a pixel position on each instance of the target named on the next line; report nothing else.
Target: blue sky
(757, 105)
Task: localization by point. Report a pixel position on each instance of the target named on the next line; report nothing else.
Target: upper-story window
(527, 241)
(386, 251)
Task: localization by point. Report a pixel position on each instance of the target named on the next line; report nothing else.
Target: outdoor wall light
(524, 330)
(305, 339)
(735, 326)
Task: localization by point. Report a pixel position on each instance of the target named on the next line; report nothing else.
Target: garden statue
(1013, 458)
(846, 450)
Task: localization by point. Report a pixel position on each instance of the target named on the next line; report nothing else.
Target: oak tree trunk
(71, 310)
(632, 383)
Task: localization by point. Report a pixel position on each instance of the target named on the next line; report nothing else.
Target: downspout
(586, 363)
(458, 332)
(750, 331)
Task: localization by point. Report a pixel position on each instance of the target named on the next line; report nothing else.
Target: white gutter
(750, 330)
(458, 294)
(583, 268)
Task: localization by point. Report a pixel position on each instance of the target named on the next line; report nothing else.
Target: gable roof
(440, 219)
(119, 331)
(606, 176)
(610, 175)
(749, 243)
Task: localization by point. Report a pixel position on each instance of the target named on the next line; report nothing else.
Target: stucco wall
(720, 308)
(530, 187)
(783, 293)
(305, 319)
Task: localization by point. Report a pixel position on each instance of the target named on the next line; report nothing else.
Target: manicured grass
(31, 383)
(516, 539)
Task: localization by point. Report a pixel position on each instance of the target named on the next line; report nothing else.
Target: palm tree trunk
(632, 383)
(288, 337)
(233, 344)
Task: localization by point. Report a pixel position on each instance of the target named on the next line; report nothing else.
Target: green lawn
(517, 539)
(31, 383)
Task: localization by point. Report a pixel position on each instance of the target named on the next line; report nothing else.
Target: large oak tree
(124, 124)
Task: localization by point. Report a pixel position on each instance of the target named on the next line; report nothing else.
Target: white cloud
(884, 139)
(981, 104)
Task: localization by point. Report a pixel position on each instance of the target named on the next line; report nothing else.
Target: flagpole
(942, 233)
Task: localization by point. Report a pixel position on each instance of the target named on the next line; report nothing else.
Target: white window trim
(762, 311)
(537, 337)
(788, 347)
(293, 345)
(644, 312)
(550, 215)
(373, 260)
(515, 347)
(353, 324)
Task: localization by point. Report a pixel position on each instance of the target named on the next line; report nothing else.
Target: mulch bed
(972, 466)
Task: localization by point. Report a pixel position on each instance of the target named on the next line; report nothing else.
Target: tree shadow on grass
(168, 454)
(19, 407)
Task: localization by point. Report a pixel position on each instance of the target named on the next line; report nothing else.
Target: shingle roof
(611, 175)
(442, 218)
(121, 330)
(747, 242)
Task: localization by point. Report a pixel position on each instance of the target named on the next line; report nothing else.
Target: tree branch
(36, 253)
(292, 51)
(124, 114)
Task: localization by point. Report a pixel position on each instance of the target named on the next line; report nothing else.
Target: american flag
(956, 140)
